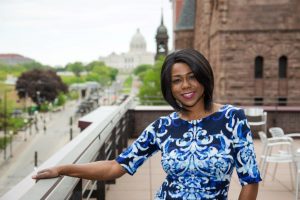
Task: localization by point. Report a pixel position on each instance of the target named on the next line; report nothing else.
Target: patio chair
(276, 150)
(256, 117)
(278, 132)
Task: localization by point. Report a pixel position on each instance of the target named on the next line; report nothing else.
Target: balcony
(105, 133)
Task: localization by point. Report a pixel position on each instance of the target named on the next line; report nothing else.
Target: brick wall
(184, 39)
(232, 33)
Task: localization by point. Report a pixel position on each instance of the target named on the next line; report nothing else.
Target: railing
(105, 135)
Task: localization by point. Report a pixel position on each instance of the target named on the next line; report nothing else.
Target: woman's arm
(249, 192)
(100, 170)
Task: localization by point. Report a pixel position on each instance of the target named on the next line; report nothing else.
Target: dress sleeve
(244, 154)
(140, 150)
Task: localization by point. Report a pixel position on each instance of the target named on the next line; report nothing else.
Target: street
(45, 143)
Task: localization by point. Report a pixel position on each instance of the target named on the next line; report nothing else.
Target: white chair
(256, 117)
(278, 132)
(276, 150)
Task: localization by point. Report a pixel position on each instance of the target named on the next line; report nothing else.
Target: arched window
(282, 67)
(259, 67)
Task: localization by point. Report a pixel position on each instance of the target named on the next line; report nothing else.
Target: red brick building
(252, 45)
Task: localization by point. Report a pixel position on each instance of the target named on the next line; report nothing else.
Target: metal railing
(103, 139)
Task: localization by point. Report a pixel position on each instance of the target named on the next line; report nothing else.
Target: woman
(201, 142)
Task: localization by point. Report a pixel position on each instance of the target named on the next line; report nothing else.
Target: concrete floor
(148, 178)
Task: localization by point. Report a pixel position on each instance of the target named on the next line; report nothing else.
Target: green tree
(141, 68)
(106, 74)
(76, 68)
(93, 77)
(34, 65)
(89, 67)
(150, 92)
(61, 99)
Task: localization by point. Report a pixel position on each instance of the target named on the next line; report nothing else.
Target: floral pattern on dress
(198, 155)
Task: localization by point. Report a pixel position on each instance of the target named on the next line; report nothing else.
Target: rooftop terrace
(105, 133)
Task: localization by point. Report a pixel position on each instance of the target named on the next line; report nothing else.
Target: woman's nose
(186, 83)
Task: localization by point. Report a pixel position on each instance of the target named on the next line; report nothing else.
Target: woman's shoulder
(171, 116)
(165, 118)
(233, 110)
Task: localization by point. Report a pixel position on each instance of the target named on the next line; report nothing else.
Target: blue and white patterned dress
(198, 155)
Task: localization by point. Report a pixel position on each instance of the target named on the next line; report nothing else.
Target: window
(259, 62)
(258, 101)
(282, 101)
(282, 67)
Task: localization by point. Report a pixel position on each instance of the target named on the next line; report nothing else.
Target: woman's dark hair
(199, 66)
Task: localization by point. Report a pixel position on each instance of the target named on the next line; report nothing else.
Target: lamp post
(5, 122)
(11, 134)
(25, 121)
(71, 129)
(36, 121)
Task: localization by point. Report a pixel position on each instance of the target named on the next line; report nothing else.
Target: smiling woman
(201, 142)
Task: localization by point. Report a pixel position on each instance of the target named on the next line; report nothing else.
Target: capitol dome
(138, 42)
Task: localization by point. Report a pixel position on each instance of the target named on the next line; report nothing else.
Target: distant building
(252, 45)
(14, 59)
(136, 56)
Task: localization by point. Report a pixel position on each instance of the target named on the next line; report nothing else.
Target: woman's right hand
(46, 173)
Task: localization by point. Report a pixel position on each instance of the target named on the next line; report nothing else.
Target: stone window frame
(282, 67)
(259, 67)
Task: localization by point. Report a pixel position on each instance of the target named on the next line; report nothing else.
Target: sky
(57, 32)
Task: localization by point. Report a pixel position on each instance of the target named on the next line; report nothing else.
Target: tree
(76, 68)
(40, 85)
(106, 74)
(150, 89)
(89, 67)
(141, 68)
(34, 65)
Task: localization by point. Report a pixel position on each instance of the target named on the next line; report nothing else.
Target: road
(45, 143)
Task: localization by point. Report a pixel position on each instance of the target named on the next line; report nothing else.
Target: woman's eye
(192, 77)
(175, 81)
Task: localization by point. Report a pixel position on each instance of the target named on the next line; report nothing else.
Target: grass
(12, 97)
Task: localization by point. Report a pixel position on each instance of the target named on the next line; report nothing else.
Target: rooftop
(107, 128)
(149, 177)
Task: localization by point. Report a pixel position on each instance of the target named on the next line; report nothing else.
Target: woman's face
(185, 87)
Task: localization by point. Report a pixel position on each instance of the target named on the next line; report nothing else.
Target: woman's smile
(188, 95)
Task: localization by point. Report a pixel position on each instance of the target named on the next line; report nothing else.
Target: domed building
(136, 55)
(138, 42)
